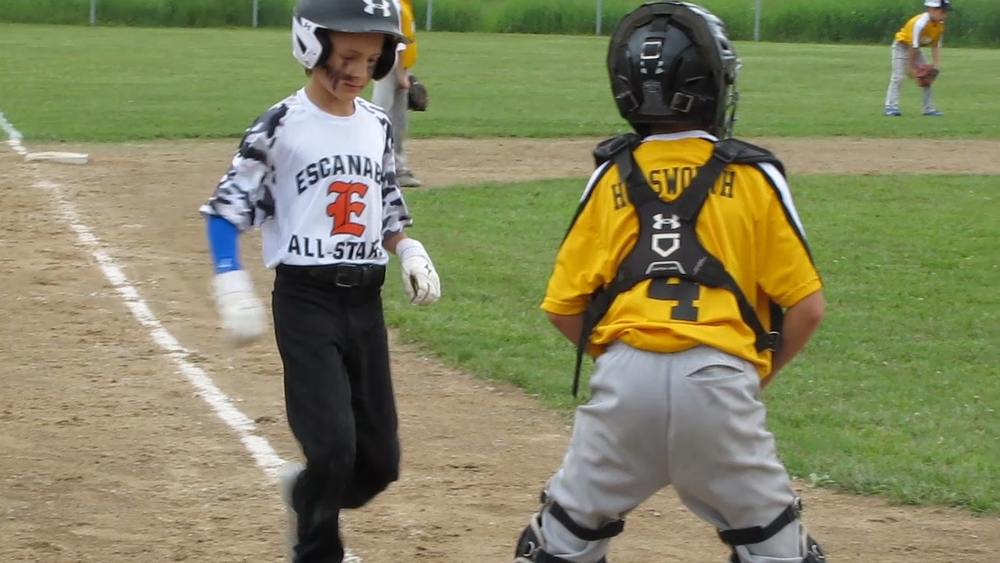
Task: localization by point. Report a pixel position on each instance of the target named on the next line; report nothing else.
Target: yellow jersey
(921, 31)
(749, 222)
(408, 23)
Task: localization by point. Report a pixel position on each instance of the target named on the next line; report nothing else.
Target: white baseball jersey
(321, 187)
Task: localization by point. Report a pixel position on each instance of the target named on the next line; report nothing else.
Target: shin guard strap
(609, 530)
(756, 534)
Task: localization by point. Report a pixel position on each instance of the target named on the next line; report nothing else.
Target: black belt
(339, 275)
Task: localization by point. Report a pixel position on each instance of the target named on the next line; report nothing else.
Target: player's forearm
(391, 242)
(801, 321)
(571, 326)
(936, 54)
(222, 243)
(402, 76)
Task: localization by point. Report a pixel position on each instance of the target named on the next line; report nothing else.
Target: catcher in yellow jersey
(685, 253)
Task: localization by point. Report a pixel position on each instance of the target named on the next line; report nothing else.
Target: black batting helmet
(311, 19)
(672, 63)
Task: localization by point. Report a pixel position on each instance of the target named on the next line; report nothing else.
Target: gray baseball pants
(690, 419)
(900, 66)
(387, 94)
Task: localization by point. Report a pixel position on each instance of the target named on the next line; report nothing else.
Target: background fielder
(679, 366)
(392, 92)
(316, 173)
(922, 30)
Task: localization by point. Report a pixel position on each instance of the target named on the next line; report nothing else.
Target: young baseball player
(316, 173)
(922, 30)
(684, 250)
(392, 93)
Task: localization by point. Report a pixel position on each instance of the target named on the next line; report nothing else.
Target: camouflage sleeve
(395, 214)
(243, 195)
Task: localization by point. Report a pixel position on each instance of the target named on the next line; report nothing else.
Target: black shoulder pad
(742, 152)
(608, 148)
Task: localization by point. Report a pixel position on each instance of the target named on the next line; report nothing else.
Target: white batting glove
(240, 311)
(420, 280)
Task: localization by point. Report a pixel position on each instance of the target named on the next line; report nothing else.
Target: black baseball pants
(339, 401)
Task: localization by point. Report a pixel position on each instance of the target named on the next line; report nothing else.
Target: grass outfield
(898, 392)
(113, 84)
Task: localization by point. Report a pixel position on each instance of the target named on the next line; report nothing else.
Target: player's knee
(370, 481)
(739, 539)
(331, 457)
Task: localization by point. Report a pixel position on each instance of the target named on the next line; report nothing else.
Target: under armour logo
(372, 5)
(672, 222)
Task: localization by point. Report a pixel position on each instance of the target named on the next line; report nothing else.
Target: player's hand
(420, 280)
(403, 80)
(241, 313)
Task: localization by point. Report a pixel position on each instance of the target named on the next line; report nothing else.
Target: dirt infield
(109, 455)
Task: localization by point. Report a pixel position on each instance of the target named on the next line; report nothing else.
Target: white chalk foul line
(13, 136)
(14, 139)
(265, 455)
(261, 450)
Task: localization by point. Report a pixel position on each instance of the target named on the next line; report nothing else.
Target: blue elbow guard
(222, 237)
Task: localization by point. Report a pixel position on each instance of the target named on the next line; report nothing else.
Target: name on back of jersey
(672, 181)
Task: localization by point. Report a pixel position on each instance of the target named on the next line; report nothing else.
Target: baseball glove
(418, 97)
(926, 75)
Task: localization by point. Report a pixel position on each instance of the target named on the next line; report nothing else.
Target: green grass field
(898, 393)
(113, 84)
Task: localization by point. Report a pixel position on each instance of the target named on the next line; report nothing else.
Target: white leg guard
(531, 545)
(776, 542)
(810, 552)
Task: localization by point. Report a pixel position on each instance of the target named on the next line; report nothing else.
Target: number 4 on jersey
(345, 207)
(684, 292)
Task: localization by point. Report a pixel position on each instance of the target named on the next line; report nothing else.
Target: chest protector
(668, 245)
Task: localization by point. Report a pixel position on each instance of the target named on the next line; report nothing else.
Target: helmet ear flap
(310, 43)
(621, 78)
(386, 60)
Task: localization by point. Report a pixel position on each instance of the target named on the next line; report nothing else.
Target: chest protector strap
(668, 245)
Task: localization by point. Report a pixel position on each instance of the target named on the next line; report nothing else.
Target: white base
(61, 157)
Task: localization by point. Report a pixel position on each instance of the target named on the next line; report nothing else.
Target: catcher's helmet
(312, 18)
(672, 63)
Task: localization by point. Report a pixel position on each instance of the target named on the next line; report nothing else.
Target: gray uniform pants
(900, 64)
(387, 94)
(691, 419)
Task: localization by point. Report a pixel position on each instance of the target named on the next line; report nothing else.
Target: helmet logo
(372, 5)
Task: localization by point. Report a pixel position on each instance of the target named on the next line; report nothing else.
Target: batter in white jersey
(316, 173)
(328, 183)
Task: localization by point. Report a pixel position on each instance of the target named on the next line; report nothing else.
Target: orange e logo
(345, 207)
